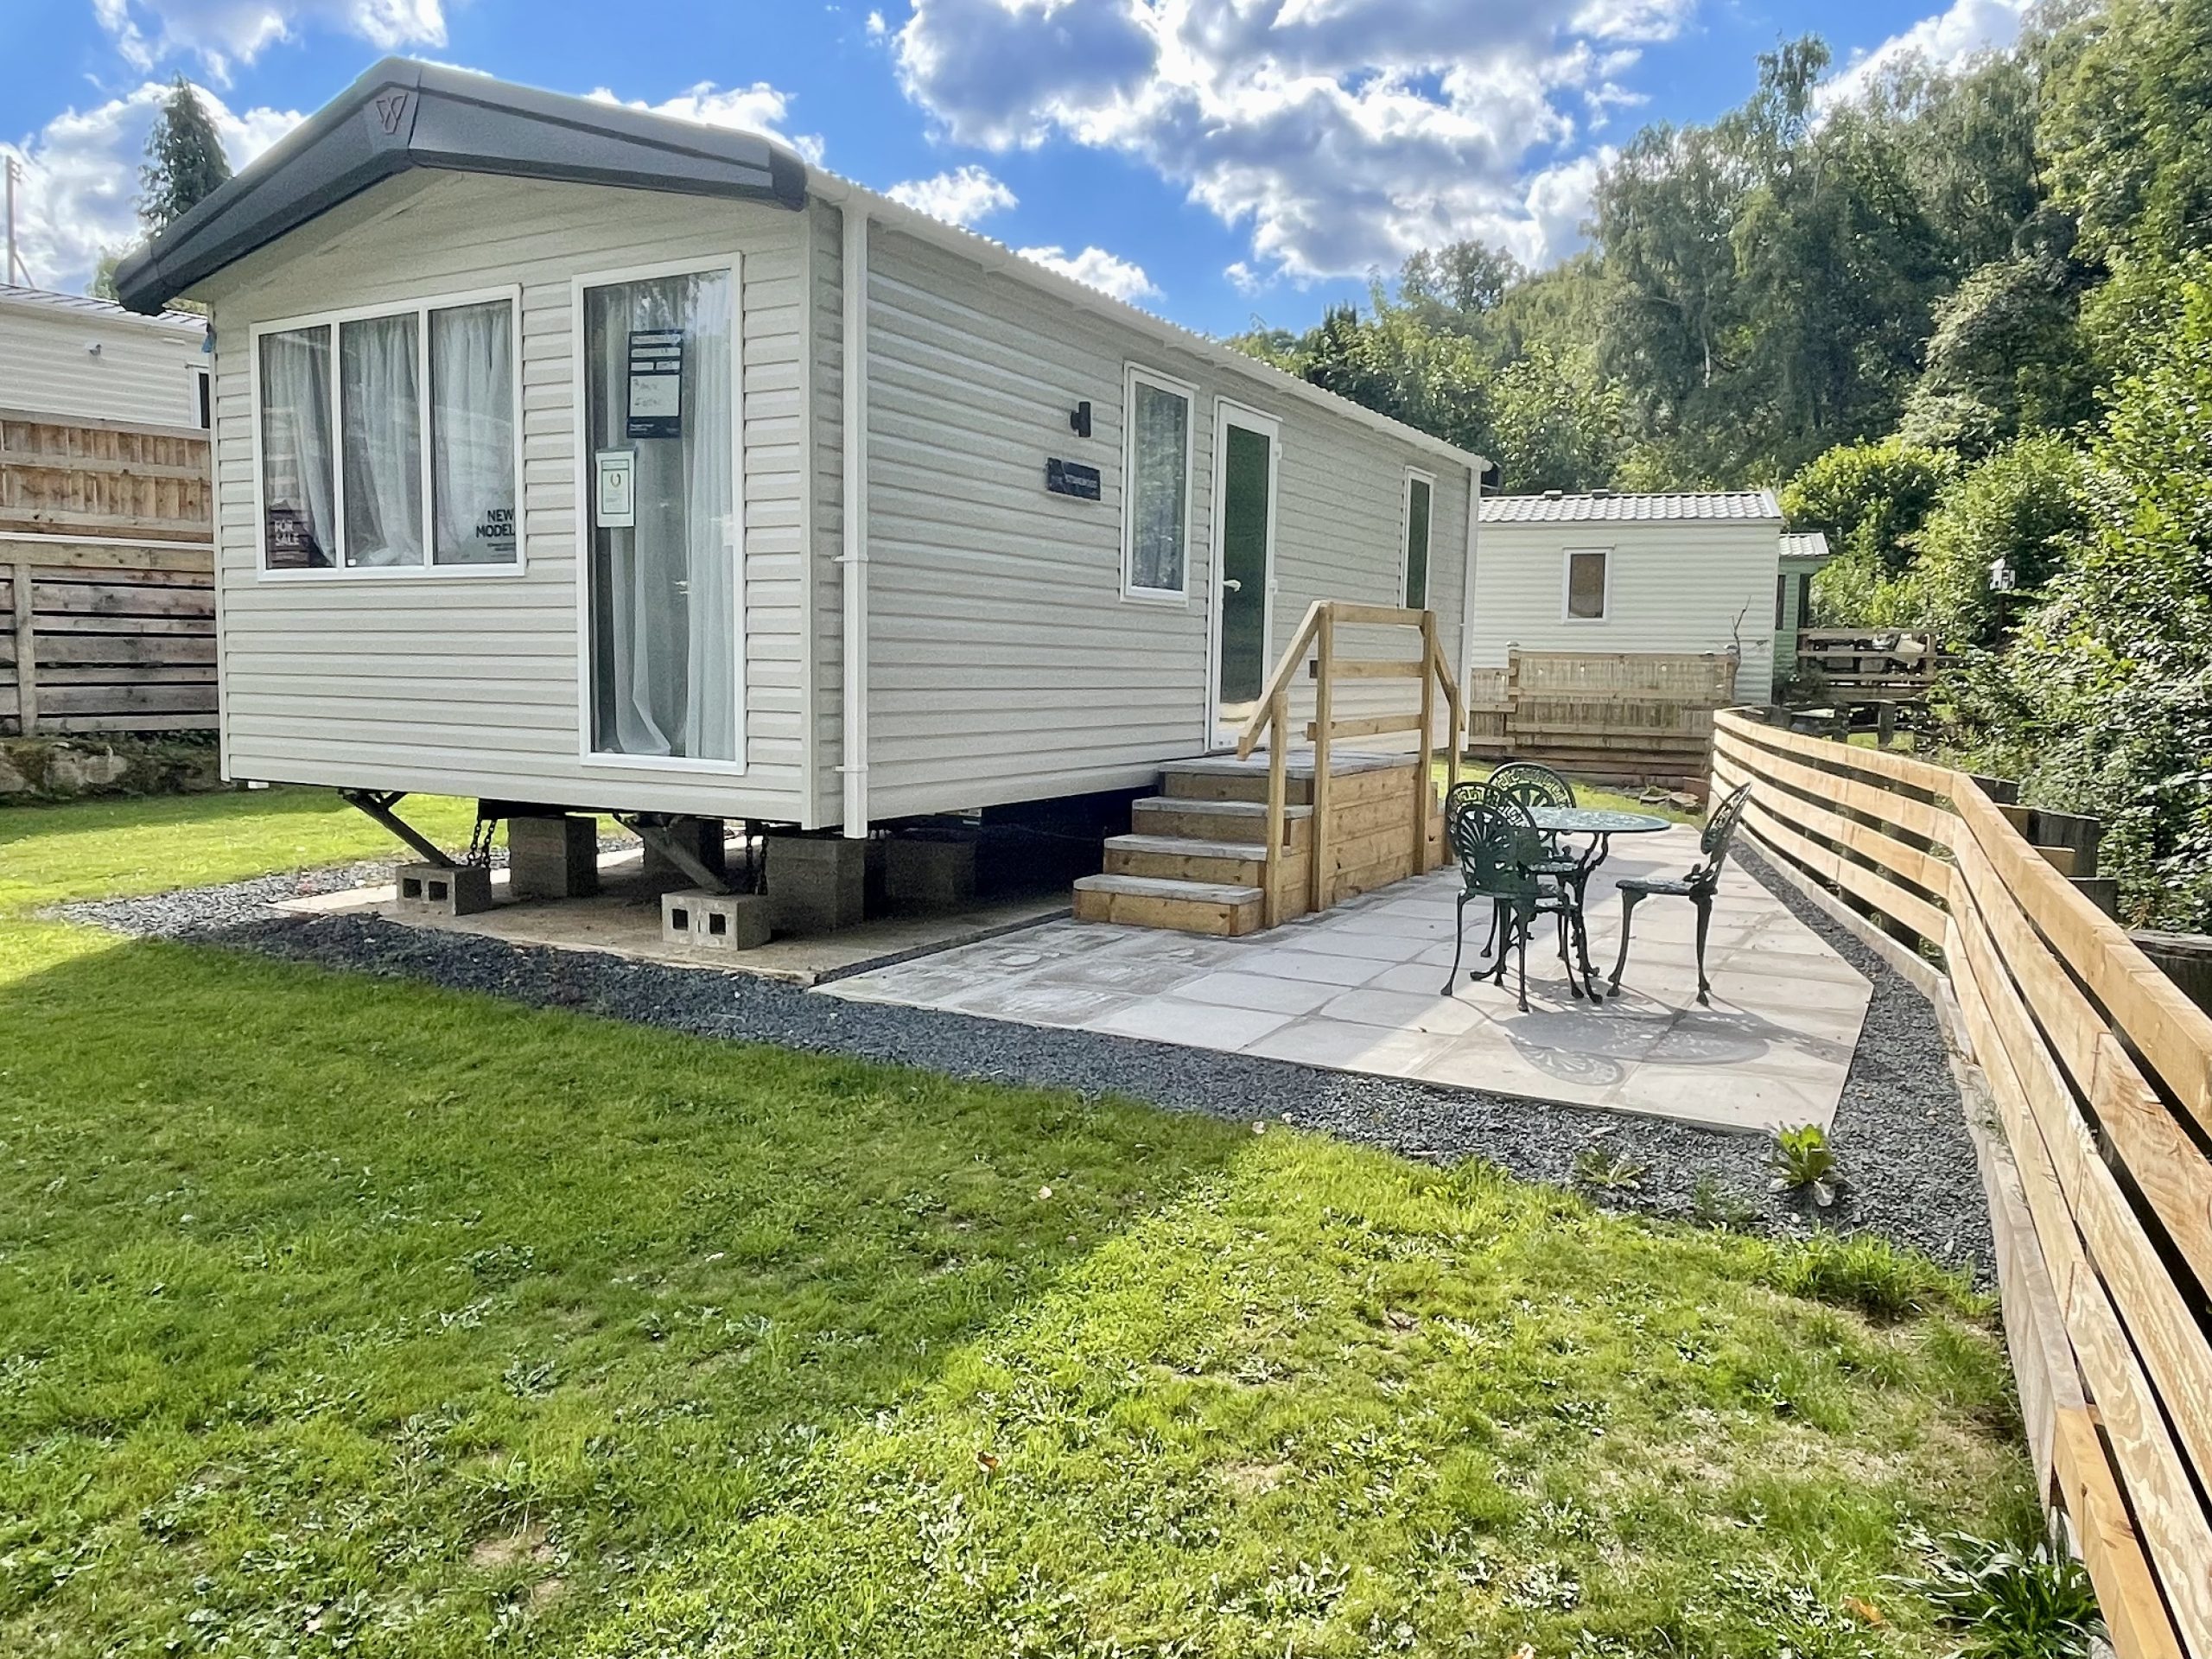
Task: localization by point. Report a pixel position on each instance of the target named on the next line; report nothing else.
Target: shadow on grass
(325, 1294)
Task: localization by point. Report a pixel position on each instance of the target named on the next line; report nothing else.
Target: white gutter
(853, 562)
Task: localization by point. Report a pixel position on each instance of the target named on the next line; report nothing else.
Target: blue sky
(1215, 160)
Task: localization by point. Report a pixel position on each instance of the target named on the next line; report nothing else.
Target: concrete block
(552, 858)
(703, 837)
(713, 921)
(924, 874)
(434, 890)
(817, 884)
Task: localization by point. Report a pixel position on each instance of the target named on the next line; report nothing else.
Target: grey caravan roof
(403, 114)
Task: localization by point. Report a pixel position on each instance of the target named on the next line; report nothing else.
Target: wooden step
(1186, 858)
(1241, 821)
(1186, 907)
(1224, 777)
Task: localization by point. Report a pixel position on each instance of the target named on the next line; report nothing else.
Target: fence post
(1324, 892)
(26, 652)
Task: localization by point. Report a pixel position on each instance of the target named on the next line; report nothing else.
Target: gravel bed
(1900, 1130)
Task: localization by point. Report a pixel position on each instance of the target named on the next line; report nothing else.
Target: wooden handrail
(2096, 1063)
(1277, 685)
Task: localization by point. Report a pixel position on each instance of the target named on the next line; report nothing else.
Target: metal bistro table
(1601, 824)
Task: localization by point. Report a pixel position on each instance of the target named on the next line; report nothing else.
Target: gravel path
(1900, 1130)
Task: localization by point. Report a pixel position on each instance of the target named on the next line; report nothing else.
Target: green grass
(343, 1315)
(1587, 794)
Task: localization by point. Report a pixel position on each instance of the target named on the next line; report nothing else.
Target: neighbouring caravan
(1685, 574)
(66, 356)
(581, 457)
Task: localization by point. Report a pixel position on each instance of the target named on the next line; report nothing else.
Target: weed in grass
(1712, 1204)
(2008, 1600)
(1868, 1272)
(1803, 1161)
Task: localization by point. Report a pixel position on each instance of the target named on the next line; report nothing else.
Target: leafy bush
(1869, 497)
(2010, 1601)
(2029, 504)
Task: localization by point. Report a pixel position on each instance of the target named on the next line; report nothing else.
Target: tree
(185, 160)
(1868, 498)
(1459, 281)
(2007, 356)
(2028, 507)
(1555, 428)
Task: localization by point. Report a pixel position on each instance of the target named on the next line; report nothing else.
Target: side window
(388, 442)
(1421, 494)
(1588, 571)
(1156, 499)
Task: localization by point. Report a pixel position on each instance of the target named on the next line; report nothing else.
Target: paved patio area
(1358, 988)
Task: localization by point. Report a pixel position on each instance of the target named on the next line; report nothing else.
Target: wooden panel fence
(1872, 664)
(107, 586)
(1603, 715)
(2101, 1072)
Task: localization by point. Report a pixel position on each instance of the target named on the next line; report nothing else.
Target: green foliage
(2103, 697)
(2028, 505)
(185, 160)
(2007, 356)
(1555, 428)
(1609, 1172)
(1802, 1159)
(1871, 498)
(2019, 1600)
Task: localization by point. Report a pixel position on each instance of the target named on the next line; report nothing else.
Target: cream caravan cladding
(1687, 573)
(468, 680)
(1004, 660)
(86, 358)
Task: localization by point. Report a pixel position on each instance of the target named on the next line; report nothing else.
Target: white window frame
(1133, 375)
(1415, 475)
(734, 263)
(1566, 588)
(339, 570)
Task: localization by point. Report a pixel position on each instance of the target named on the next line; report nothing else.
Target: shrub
(2029, 504)
(2010, 1600)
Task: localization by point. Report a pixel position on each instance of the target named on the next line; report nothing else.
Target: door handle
(1230, 585)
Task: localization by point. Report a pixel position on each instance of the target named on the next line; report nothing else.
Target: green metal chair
(1549, 859)
(1500, 852)
(1698, 886)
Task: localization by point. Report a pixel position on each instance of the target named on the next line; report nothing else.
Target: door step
(1187, 858)
(1240, 821)
(1155, 901)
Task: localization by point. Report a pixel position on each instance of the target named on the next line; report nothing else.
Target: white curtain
(1159, 487)
(379, 404)
(473, 434)
(667, 664)
(302, 527)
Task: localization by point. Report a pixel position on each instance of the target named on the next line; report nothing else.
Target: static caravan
(1604, 572)
(1803, 553)
(86, 359)
(573, 457)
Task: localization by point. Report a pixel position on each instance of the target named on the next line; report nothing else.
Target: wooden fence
(1870, 664)
(2101, 1073)
(107, 583)
(1607, 715)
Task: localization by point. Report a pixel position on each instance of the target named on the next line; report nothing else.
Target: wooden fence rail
(2101, 1072)
(107, 584)
(1871, 664)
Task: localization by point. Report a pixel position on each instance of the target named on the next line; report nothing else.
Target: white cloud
(877, 29)
(1241, 277)
(81, 189)
(1345, 133)
(758, 108)
(1096, 268)
(961, 197)
(1945, 39)
(1559, 203)
(222, 32)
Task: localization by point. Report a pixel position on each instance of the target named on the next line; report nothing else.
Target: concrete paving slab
(1356, 988)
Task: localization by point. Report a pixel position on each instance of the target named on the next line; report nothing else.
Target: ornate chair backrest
(1532, 785)
(1719, 829)
(1494, 838)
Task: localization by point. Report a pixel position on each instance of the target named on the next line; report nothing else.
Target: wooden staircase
(1236, 843)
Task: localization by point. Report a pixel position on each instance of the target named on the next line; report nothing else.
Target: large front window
(661, 413)
(388, 442)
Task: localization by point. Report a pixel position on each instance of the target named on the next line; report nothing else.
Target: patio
(1356, 988)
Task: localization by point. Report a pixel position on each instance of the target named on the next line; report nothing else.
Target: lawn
(343, 1315)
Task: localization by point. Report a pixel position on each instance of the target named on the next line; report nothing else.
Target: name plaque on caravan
(656, 383)
(614, 491)
(1071, 478)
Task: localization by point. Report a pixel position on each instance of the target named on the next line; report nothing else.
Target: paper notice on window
(615, 495)
(656, 383)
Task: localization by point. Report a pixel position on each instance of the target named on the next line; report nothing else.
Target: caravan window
(1156, 503)
(1420, 494)
(388, 439)
(1588, 571)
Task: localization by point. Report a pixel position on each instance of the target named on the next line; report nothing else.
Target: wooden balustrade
(2100, 1069)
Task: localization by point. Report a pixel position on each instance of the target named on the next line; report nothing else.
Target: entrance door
(660, 431)
(1244, 467)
